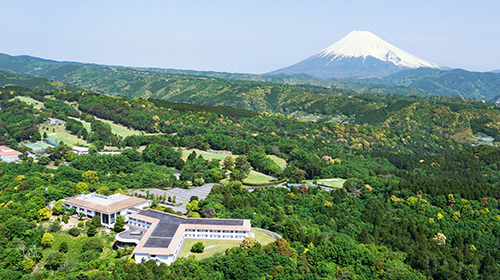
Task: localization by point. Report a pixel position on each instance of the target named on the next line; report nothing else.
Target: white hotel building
(108, 207)
(160, 236)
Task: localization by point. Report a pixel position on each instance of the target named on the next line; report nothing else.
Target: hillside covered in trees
(414, 205)
(452, 117)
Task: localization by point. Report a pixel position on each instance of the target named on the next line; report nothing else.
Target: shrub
(93, 244)
(63, 248)
(80, 224)
(74, 231)
(96, 221)
(47, 240)
(65, 219)
(54, 226)
(91, 231)
(119, 223)
(198, 247)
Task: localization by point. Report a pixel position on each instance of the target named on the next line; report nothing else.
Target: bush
(47, 240)
(65, 219)
(63, 248)
(119, 223)
(91, 231)
(89, 256)
(80, 224)
(93, 244)
(96, 221)
(198, 247)
(54, 226)
(74, 231)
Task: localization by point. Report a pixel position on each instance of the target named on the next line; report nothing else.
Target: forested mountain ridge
(12, 78)
(456, 82)
(448, 116)
(414, 205)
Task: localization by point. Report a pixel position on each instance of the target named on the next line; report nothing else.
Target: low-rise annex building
(80, 150)
(160, 236)
(108, 207)
(8, 155)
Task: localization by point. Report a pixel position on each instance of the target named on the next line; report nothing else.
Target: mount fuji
(360, 54)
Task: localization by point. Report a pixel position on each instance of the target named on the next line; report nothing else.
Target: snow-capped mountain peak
(364, 43)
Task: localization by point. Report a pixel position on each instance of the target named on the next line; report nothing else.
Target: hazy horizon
(255, 37)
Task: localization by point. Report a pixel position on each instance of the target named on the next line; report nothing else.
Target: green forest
(416, 204)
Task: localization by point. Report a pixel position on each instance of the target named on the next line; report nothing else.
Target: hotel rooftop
(160, 236)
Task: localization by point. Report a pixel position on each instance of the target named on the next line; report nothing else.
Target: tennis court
(37, 146)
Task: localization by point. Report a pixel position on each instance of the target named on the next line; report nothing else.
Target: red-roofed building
(7, 154)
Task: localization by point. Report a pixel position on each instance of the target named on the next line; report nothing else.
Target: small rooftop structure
(54, 122)
(7, 154)
(80, 150)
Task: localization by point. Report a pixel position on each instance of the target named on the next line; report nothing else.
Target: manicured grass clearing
(221, 248)
(279, 161)
(256, 177)
(220, 155)
(61, 135)
(262, 237)
(115, 128)
(31, 101)
(333, 182)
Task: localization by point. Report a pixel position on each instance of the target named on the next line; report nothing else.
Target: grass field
(31, 101)
(222, 245)
(333, 182)
(263, 237)
(279, 161)
(115, 128)
(220, 155)
(59, 132)
(256, 177)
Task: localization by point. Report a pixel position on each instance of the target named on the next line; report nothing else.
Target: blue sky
(245, 36)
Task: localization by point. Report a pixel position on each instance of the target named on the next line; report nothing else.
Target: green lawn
(60, 133)
(115, 128)
(220, 155)
(262, 237)
(31, 101)
(333, 182)
(222, 245)
(256, 177)
(279, 161)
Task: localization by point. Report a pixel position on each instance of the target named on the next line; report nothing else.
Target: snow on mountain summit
(364, 43)
(360, 54)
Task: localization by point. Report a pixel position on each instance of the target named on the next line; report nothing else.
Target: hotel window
(227, 231)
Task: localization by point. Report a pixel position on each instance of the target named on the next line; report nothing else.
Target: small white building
(80, 150)
(160, 236)
(108, 207)
(9, 155)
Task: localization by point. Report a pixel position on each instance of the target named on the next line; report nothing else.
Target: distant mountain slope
(360, 54)
(456, 82)
(12, 78)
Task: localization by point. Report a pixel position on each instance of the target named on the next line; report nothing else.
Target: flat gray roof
(168, 224)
